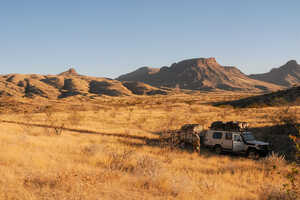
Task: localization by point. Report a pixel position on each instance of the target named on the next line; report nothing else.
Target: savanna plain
(108, 148)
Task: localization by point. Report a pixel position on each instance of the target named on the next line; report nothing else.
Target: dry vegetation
(105, 149)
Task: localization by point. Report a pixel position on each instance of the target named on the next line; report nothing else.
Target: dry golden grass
(103, 153)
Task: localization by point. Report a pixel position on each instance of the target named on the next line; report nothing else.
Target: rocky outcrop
(31, 90)
(70, 88)
(57, 82)
(69, 72)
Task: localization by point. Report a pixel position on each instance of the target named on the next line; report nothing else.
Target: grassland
(100, 149)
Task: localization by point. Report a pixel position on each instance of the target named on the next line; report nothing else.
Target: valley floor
(101, 150)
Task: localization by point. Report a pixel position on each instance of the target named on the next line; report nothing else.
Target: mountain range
(70, 83)
(202, 74)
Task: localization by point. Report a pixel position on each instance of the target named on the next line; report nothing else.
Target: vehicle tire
(218, 149)
(253, 154)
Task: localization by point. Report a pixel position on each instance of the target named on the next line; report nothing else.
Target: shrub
(275, 160)
(269, 192)
(147, 166)
(118, 161)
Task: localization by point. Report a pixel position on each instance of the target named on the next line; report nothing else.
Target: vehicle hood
(256, 142)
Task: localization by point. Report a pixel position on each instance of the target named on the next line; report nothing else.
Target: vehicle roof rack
(229, 126)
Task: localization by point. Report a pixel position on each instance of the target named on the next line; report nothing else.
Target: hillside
(287, 75)
(67, 84)
(286, 97)
(198, 74)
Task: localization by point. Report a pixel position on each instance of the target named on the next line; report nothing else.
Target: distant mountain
(69, 83)
(287, 75)
(198, 74)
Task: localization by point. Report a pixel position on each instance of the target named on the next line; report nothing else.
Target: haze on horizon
(110, 38)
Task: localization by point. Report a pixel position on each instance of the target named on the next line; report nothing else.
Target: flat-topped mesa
(208, 61)
(195, 62)
(199, 62)
(69, 72)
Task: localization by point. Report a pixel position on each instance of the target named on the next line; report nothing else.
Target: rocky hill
(287, 75)
(69, 83)
(199, 74)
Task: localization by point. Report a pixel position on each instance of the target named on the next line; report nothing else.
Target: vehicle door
(238, 144)
(227, 142)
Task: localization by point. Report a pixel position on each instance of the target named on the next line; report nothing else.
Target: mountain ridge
(69, 83)
(199, 74)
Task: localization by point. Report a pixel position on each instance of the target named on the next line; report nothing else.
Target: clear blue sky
(108, 38)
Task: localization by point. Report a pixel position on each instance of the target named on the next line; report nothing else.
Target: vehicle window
(217, 135)
(237, 138)
(228, 136)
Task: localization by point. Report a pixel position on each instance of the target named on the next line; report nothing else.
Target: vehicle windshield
(248, 136)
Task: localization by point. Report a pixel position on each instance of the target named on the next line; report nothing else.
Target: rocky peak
(69, 72)
(289, 66)
(292, 62)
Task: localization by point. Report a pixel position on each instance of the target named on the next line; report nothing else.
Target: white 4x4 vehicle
(235, 141)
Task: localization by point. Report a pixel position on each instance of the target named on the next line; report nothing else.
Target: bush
(147, 166)
(269, 192)
(118, 161)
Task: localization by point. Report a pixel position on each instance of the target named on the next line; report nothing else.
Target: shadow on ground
(277, 136)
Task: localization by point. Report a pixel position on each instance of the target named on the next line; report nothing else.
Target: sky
(107, 38)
